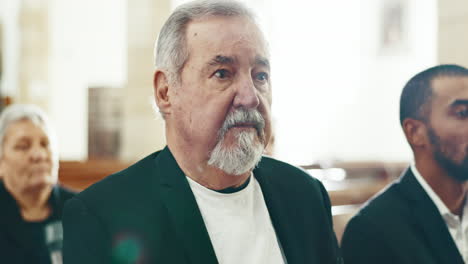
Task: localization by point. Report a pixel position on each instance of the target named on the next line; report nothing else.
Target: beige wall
(38, 63)
(453, 32)
(33, 74)
(143, 130)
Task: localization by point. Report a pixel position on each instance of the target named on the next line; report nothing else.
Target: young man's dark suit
(400, 226)
(148, 210)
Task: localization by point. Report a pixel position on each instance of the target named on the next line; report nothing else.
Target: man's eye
(261, 76)
(462, 113)
(222, 74)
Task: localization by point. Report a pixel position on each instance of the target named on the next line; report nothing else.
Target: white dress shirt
(458, 227)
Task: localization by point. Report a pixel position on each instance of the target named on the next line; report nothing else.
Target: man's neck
(451, 192)
(214, 178)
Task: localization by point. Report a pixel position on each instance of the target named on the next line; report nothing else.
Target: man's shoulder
(387, 210)
(385, 202)
(289, 179)
(388, 226)
(126, 183)
(285, 172)
(379, 231)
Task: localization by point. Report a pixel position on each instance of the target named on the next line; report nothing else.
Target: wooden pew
(78, 175)
(363, 180)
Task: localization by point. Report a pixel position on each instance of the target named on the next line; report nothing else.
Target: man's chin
(459, 172)
(460, 175)
(239, 158)
(231, 138)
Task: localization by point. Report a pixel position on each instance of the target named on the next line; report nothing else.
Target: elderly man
(209, 196)
(422, 217)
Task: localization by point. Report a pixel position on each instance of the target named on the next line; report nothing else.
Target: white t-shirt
(458, 227)
(239, 225)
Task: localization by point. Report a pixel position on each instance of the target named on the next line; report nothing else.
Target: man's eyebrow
(262, 61)
(459, 102)
(221, 60)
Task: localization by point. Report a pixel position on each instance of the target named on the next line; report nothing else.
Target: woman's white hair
(19, 112)
(171, 50)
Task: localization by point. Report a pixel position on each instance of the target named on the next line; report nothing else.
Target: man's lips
(244, 125)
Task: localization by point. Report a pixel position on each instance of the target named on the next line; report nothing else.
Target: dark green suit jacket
(147, 214)
(401, 225)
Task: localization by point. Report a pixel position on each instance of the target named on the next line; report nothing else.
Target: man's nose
(246, 94)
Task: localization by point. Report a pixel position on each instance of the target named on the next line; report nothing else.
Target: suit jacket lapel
(279, 218)
(429, 221)
(183, 210)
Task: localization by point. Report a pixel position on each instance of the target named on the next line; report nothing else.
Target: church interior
(338, 68)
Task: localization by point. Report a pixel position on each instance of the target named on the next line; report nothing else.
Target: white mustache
(241, 116)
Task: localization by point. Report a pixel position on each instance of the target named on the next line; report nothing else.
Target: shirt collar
(195, 186)
(443, 209)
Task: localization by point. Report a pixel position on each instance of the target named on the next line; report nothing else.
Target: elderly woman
(30, 201)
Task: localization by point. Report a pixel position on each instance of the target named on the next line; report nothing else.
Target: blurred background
(338, 68)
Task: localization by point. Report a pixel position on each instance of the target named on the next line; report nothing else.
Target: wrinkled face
(222, 103)
(448, 125)
(26, 163)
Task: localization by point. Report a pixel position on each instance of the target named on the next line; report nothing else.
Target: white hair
(170, 50)
(19, 112)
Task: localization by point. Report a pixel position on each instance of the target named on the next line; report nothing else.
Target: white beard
(248, 150)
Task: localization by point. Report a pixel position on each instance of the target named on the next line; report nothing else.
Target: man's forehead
(450, 86)
(225, 36)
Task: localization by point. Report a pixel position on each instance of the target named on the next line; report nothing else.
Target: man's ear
(161, 91)
(415, 132)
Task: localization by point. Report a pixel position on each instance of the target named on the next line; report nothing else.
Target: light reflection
(329, 174)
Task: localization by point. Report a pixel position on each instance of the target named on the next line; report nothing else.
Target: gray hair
(171, 51)
(19, 112)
